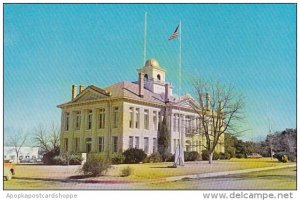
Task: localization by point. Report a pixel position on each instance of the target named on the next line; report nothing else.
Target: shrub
(224, 156)
(66, 159)
(134, 155)
(292, 157)
(75, 159)
(126, 171)
(117, 158)
(96, 166)
(59, 160)
(191, 156)
(282, 156)
(216, 156)
(240, 155)
(170, 157)
(49, 156)
(154, 158)
(205, 155)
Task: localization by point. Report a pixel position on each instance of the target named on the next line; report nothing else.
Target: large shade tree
(219, 113)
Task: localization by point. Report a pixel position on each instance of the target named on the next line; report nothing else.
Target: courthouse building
(127, 114)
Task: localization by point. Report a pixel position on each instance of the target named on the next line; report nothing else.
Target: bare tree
(219, 114)
(47, 140)
(17, 141)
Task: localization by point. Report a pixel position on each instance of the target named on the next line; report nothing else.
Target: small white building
(26, 155)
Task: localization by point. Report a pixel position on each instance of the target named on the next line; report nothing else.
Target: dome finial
(152, 63)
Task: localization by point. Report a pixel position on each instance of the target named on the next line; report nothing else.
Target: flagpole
(180, 66)
(145, 38)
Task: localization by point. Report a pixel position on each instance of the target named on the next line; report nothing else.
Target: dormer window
(158, 77)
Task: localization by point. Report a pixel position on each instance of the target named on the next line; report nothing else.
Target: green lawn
(161, 170)
(279, 179)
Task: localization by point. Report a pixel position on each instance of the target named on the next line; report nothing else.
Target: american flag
(175, 34)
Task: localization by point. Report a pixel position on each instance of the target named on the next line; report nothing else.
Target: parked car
(254, 155)
(9, 170)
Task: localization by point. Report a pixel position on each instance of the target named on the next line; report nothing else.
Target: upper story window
(131, 110)
(146, 119)
(90, 119)
(116, 117)
(77, 120)
(67, 121)
(101, 118)
(137, 118)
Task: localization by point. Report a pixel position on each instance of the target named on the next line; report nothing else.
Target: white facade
(127, 114)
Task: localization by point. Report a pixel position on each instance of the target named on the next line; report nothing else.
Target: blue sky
(49, 47)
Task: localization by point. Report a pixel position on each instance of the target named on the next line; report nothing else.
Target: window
(155, 120)
(115, 144)
(158, 77)
(131, 109)
(67, 121)
(154, 145)
(102, 118)
(88, 143)
(174, 145)
(66, 144)
(137, 142)
(77, 120)
(137, 118)
(146, 145)
(178, 120)
(77, 144)
(90, 118)
(174, 122)
(146, 77)
(130, 142)
(146, 119)
(116, 117)
(101, 144)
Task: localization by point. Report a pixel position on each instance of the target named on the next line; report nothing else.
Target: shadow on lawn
(166, 167)
(41, 179)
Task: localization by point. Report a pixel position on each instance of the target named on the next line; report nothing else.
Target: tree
(230, 142)
(48, 141)
(17, 141)
(163, 137)
(220, 112)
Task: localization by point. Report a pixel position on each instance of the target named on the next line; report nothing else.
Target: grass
(279, 179)
(16, 184)
(161, 170)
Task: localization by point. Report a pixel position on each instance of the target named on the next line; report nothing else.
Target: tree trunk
(210, 158)
(17, 157)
